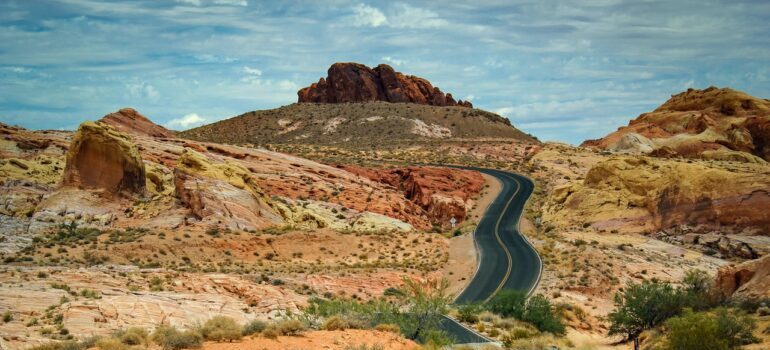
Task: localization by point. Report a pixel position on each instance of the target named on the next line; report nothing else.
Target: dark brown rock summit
(354, 82)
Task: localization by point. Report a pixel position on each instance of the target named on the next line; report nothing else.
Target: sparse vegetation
(221, 328)
(170, 338)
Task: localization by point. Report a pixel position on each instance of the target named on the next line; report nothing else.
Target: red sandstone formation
(442, 192)
(130, 121)
(354, 82)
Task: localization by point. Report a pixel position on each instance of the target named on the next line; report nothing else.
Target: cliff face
(354, 82)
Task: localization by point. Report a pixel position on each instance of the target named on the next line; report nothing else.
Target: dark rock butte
(354, 82)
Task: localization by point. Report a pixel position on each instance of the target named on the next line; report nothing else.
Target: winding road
(506, 258)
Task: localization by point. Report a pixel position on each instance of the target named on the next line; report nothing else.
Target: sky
(560, 70)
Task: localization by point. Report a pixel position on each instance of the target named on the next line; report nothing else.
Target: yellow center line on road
(500, 241)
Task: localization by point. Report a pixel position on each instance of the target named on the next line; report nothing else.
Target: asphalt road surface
(506, 259)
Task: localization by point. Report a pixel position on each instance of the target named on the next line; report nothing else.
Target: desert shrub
(171, 338)
(7, 316)
(435, 339)
(488, 316)
(290, 327)
(701, 330)
(698, 290)
(65, 345)
(643, 306)
(270, 333)
(254, 327)
(387, 327)
(364, 347)
(508, 303)
(522, 332)
(537, 310)
(335, 323)
(543, 342)
(540, 313)
(469, 312)
(111, 344)
(132, 336)
(221, 328)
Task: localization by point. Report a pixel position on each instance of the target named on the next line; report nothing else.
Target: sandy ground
(462, 253)
(321, 340)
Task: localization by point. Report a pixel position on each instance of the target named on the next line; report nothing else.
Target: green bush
(539, 313)
(702, 330)
(254, 327)
(7, 316)
(221, 328)
(508, 303)
(644, 306)
(132, 336)
(171, 338)
(537, 310)
(469, 312)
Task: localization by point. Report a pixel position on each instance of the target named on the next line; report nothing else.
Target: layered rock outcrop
(652, 194)
(129, 121)
(100, 157)
(443, 193)
(221, 193)
(719, 124)
(750, 279)
(354, 82)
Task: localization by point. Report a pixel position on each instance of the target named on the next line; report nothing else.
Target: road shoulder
(462, 263)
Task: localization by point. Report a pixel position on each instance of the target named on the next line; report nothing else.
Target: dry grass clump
(221, 328)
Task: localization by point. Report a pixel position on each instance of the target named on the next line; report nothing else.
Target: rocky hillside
(354, 82)
(110, 177)
(720, 124)
(380, 124)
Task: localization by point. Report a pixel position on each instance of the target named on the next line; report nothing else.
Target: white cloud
(406, 16)
(215, 2)
(186, 122)
(215, 59)
(190, 2)
(143, 90)
(367, 16)
(231, 2)
(393, 61)
(20, 69)
(528, 111)
(252, 71)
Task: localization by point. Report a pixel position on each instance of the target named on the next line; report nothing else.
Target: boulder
(750, 279)
(354, 82)
(100, 157)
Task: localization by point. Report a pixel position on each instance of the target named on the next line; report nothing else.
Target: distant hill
(713, 123)
(357, 124)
